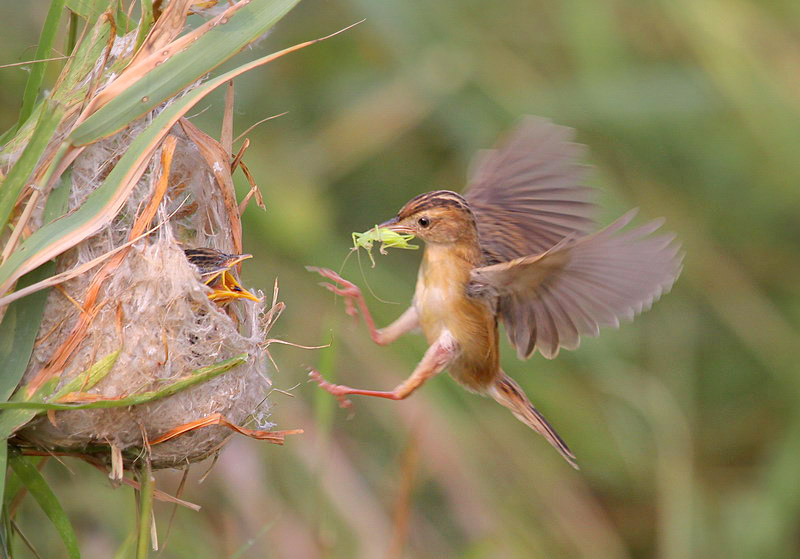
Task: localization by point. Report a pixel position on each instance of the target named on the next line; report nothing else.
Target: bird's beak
(392, 225)
(229, 289)
(237, 259)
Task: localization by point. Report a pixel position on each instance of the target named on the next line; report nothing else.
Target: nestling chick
(518, 247)
(215, 268)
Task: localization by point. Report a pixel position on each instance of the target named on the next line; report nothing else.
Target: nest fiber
(155, 310)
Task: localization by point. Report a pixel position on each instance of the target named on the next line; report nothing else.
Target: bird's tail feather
(508, 393)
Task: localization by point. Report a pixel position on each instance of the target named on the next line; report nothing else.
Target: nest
(154, 309)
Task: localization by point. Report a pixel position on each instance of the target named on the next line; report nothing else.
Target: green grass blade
(72, 33)
(13, 484)
(41, 492)
(185, 67)
(21, 321)
(104, 203)
(18, 334)
(3, 470)
(195, 377)
(87, 379)
(36, 77)
(22, 169)
(126, 548)
(73, 85)
(145, 22)
(7, 135)
(18, 331)
(13, 419)
(89, 10)
(58, 200)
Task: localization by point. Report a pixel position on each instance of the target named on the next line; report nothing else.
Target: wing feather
(526, 195)
(549, 300)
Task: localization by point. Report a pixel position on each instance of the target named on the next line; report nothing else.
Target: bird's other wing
(526, 195)
(548, 301)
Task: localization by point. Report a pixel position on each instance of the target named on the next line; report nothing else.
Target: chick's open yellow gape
(383, 235)
(215, 268)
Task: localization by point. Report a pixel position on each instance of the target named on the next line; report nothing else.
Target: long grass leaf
(89, 10)
(36, 77)
(41, 492)
(24, 166)
(75, 80)
(195, 377)
(18, 333)
(145, 20)
(162, 79)
(21, 321)
(7, 135)
(103, 204)
(13, 419)
(3, 471)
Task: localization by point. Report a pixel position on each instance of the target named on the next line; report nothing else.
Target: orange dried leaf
(275, 437)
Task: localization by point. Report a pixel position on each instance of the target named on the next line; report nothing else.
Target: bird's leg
(355, 303)
(404, 324)
(436, 358)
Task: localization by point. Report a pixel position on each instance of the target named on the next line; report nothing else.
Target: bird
(214, 267)
(520, 247)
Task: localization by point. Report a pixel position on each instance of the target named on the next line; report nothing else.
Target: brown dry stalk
(240, 154)
(254, 190)
(218, 162)
(27, 62)
(90, 304)
(157, 494)
(167, 26)
(178, 493)
(275, 437)
(226, 132)
(253, 126)
(20, 225)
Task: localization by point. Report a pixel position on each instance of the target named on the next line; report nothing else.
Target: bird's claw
(336, 390)
(346, 289)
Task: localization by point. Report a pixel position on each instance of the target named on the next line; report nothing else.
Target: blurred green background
(685, 422)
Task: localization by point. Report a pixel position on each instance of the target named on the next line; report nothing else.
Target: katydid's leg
(355, 303)
(436, 358)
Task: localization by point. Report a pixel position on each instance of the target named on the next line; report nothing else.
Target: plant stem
(145, 509)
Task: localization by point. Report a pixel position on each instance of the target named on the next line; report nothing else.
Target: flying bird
(520, 247)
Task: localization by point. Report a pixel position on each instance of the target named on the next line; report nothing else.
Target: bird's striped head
(441, 216)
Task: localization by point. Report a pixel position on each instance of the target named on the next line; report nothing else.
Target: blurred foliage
(686, 422)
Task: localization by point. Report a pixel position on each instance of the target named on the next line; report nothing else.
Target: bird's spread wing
(526, 195)
(550, 300)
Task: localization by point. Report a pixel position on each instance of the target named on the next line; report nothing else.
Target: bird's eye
(423, 221)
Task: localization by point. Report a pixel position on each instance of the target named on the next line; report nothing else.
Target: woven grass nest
(155, 309)
(140, 355)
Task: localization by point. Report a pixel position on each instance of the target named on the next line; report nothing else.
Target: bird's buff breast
(442, 305)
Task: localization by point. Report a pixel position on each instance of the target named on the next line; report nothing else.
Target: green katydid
(387, 238)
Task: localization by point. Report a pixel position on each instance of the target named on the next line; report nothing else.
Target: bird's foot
(336, 389)
(351, 293)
